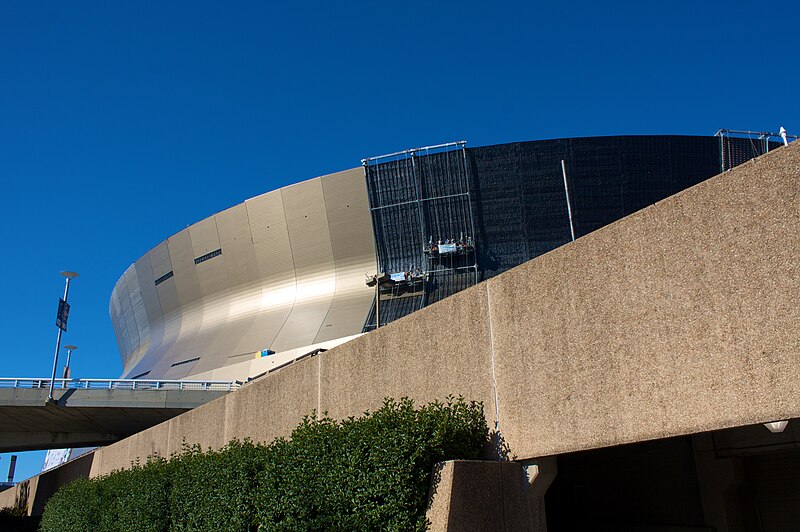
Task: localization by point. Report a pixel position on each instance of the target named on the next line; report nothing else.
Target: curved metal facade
(279, 271)
(285, 270)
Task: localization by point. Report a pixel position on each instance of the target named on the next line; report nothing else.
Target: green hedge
(367, 473)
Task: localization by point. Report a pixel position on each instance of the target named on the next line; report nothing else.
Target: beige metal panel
(115, 311)
(190, 312)
(204, 236)
(144, 274)
(117, 315)
(135, 319)
(159, 260)
(170, 323)
(161, 358)
(168, 297)
(113, 305)
(152, 310)
(214, 331)
(187, 283)
(128, 320)
(164, 313)
(352, 242)
(275, 291)
(307, 222)
(233, 226)
(242, 293)
(209, 300)
(210, 273)
(266, 216)
(128, 311)
(212, 276)
(138, 308)
(275, 264)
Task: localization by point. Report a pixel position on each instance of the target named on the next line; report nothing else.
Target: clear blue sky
(123, 122)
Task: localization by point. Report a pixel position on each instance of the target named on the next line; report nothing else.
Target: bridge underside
(84, 418)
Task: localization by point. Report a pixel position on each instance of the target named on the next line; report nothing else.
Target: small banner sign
(63, 315)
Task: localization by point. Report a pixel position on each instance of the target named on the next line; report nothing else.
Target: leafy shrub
(75, 506)
(372, 472)
(214, 490)
(369, 473)
(137, 495)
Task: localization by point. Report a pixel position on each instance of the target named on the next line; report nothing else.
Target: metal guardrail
(119, 384)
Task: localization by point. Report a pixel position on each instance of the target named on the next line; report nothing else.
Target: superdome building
(311, 265)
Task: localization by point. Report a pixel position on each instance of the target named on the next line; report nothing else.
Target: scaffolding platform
(397, 284)
(449, 248)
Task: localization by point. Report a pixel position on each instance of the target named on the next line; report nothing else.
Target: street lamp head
(71, 347)
(69, 275)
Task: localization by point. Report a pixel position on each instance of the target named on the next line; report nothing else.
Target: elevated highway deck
(90, 412)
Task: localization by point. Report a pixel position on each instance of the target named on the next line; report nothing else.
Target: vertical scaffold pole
(417, 177)
(463, 145)
(365, 164)
(566, 192)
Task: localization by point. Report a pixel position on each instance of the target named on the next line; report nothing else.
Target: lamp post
(70, 349)
(61, 323)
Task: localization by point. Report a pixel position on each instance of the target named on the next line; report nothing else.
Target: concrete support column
(539, 474)
(474, 495)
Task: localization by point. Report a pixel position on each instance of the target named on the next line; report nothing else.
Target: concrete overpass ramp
(92, 412)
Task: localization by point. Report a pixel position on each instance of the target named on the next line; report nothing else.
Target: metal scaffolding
(424, 227)
(737, 147)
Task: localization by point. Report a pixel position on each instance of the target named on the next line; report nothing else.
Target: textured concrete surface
(205, 427)
(154, 442)
(164, 439)
(679, 319)
(421, 356)
(474, 496)
(273, 405)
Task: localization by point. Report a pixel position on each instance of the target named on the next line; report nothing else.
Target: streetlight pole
(70, 349)
(61, 326)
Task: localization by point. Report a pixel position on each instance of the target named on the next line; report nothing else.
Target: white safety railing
(119, 384)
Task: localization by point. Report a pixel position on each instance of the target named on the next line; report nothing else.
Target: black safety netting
(510, 200)
(736, 150)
